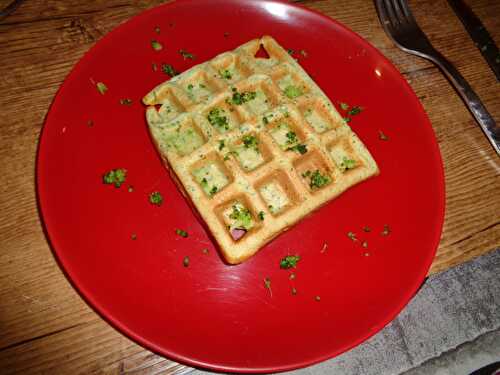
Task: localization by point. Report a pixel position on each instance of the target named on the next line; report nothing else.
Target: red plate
(211, 314)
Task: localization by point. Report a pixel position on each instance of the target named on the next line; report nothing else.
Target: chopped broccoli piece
(289, 261)
(292, 138)
(316, 179)
(181, 233)
(157, 46)
(250, 141)
(355, 111)
(216, 118)
(156, 198)
(115, 177)
(169, 70)
(186, 55)
(225, 74)
(301, 149)
(347, 164)
(241, 216)
(126, 101)
(101, 87)
(243, 97)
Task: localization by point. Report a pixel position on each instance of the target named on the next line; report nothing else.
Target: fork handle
(475, 105)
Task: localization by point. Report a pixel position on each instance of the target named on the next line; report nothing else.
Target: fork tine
(406, 10)
(398, 11)
(382, 13)
(390, 12)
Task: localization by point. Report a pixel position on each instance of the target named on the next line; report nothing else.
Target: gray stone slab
(467, 358)
(452, 308)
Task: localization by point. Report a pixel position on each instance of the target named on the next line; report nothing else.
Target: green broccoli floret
(156, 198)
(115, 177)
(289, 261)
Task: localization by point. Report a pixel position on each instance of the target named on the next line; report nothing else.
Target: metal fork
(400, 25)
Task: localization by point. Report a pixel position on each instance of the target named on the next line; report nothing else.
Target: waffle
(254, 144)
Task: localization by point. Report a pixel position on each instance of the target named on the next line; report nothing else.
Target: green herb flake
(102, 88)
(214, 190)
(289, 261)
(221, 144)
(190, 87)
(216, 117)
(225, 74)
(115, 177)
(250, 141)
(344, 106)
(292, 92)
(261, 215)
(155, 198)
(185, 261)
(347, 164)
(204, 183)
(267, 284)
(169, 70)
(243, 97)
(382, 136)
(347, 119)
(291, 138)
(355, 111)
(301, 149)
(186, 55)
(156, 45)
(126, 101)
(303, 53)
(318, 180)
(290, 51)
(181, 233)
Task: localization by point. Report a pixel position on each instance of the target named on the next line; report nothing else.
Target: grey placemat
(452, 308)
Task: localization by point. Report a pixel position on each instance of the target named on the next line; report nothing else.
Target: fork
(400, 25)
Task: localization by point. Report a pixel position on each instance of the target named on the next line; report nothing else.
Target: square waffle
(254, 144)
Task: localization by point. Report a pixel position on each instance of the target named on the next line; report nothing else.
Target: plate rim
(170, 354)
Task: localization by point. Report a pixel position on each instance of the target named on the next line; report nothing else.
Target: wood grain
(45, 327)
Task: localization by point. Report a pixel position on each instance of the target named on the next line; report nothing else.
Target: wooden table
(45, 327)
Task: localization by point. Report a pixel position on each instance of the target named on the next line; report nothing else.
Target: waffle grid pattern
(254, 133)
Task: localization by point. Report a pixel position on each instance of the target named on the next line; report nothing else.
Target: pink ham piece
(237, 233)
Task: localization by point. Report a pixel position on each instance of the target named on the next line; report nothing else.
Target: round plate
(210, 314)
